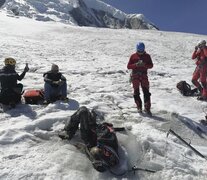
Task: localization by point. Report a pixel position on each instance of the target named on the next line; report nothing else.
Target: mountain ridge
(92, 13)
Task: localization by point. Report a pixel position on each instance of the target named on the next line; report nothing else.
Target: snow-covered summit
(78, 12)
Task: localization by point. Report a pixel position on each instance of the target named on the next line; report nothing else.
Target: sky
(94, 62)
(169, 15)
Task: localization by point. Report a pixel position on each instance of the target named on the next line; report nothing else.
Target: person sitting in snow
(100, 139)
(139, 63)
(200, 54)
(11, 90)
(55, 85)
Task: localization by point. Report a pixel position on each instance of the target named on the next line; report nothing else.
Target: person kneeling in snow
(10, 90)
(100, 139)
(55, 87)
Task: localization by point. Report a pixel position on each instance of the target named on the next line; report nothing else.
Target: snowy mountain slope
(80, 12)
(94, 62)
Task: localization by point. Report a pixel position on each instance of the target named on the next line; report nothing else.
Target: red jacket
(146, 59)
(200, 55)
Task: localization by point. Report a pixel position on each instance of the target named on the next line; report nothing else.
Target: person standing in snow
(10, 90)
(200, 55)
(139, 63)
(55, 85)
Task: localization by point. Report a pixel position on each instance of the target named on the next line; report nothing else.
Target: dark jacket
(9, 77)
(49, 77)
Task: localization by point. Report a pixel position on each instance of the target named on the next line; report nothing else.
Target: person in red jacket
(200, 55)
(139, 63)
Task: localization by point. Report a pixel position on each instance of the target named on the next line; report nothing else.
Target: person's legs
(6, 96)
(87, 127)
(19, 93)
(72, 124)
(203, 81)
(62, 90)
(47, 91)
(137, 99)
(196, 76)
(147, 99)
(11, 96)
(147, 94)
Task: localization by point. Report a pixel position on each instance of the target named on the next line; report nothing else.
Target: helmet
(96, 152)
(98, 163)
(10, 61)
(140, 47)
(201, 43)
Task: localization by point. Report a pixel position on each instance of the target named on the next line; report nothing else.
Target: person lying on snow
(11, 90)
(100, 139)
(55, 87)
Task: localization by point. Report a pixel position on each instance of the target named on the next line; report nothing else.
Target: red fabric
(33, 93)
(140, 78)
(137, 57)
(200, 55)
(200, 72)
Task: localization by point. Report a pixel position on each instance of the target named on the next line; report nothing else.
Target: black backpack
(106, 135)
(185, 89)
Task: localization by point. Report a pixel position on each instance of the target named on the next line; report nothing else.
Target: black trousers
(87, 122)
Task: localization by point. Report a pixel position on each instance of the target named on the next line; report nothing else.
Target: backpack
(33, 96)
(185, 88)
(107, 136)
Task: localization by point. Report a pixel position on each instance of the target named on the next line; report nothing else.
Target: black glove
(26, 69)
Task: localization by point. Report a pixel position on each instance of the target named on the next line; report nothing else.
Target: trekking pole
(117, 129)
(135, 168)
(196, 151)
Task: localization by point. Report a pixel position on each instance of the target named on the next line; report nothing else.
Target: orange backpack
(33, 96)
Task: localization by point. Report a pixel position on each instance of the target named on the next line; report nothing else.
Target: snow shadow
(155, 117)
(194, 126)
(71, 105)
(22, 109)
